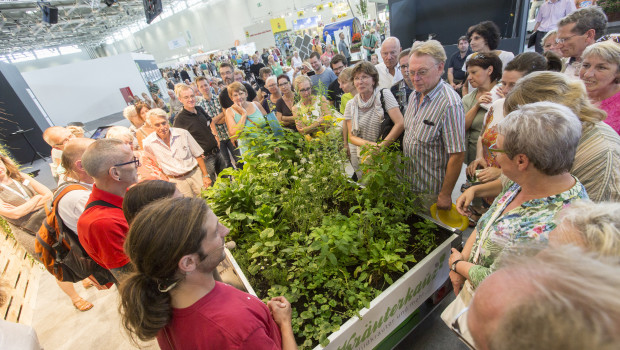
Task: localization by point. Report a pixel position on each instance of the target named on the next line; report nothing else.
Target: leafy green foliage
(306, 231)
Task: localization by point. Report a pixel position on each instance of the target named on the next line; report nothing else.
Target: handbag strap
(487, 229)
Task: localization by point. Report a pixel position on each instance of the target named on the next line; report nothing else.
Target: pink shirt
(612, 107)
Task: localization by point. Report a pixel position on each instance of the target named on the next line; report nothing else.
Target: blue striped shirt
(434, 129)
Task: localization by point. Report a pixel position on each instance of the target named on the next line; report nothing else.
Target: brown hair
(11, 169)
(236, 87)
(143, 193)
(368, 68)
(486, 60)
(155, 243)
(139, 107)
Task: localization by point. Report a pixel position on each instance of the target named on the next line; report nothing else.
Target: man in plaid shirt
(210, 103)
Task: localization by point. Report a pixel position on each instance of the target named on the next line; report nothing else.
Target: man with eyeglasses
(434, 137)
(549, 13)
(577, 31)
(102, 227)
(334, 92)
(56, 137)
(389, 71)
(402, 89)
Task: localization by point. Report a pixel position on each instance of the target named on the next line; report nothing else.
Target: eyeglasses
(305, 90)
(284, 83)
(135, 160)
(270, 86)
(421, 73)
(493, 148)
(360, 78)
(562, 40)
(456, 328)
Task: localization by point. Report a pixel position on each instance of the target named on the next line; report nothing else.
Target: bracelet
(453, 266)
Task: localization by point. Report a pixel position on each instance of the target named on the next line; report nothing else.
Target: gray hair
(561, 290)
(271, 77)
(546, 132)
(585, 19)
(608, 50)
(598, 224)
(155, 112)
(547, 36)
(130, 112)
(120, 133)
(101, 156)
(431, 48)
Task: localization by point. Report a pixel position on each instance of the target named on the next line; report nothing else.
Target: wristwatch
(453, 266)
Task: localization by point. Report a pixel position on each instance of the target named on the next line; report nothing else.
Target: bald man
(562, 298)
(102, 227)
(389, 69)
(57, 137)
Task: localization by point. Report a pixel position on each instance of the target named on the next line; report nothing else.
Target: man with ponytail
(171, 294)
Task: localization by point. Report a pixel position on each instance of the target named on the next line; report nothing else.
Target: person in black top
(456, 75)
(197, 122)
(256, 66)
(185, 75)
(265, 57)
(264, 73)
(334, 92)
(284, 106)
(226, 72)
(269, 102)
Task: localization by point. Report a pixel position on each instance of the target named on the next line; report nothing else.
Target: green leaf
(306, 315)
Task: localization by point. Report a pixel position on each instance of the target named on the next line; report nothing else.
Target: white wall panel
(87, 90)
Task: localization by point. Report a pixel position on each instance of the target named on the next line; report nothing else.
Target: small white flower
(294, 177)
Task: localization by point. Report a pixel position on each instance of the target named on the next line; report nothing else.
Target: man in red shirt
(179, 302)
(102, 227)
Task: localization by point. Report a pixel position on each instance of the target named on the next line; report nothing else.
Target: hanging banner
(278, 25)
(304, 23)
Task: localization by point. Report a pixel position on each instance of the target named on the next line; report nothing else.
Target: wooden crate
(21, 275)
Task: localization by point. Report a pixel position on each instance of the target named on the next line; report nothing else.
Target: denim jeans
(214, 164)
(227, 146)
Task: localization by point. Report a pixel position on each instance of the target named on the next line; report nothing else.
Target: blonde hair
(597, 223)
(240, 72)
(236, 87)
(346, 74)
(120, 133)
(300, 79)
(180, 87)
(608, 51)
(554, 87)
(78, 131)
(431, 48)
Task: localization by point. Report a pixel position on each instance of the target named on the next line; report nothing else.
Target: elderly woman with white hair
(592, 226)
(600, 72)
(535, 147)
(149, 169)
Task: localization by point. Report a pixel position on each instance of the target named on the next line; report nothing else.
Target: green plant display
(306, 231)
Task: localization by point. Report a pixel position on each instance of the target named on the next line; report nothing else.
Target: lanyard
(23, 193)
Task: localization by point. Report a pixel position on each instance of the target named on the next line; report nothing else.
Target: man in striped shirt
(434, 127)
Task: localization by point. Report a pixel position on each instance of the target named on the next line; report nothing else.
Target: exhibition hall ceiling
(80, 22)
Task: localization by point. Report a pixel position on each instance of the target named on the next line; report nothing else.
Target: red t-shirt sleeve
(260, 340)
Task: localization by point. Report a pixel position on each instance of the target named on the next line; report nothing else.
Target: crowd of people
(536, 133)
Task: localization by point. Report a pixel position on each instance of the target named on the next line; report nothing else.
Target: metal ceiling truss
(80, 22)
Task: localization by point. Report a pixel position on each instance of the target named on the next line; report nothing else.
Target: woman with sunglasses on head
(311, 110)
(483, 73)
